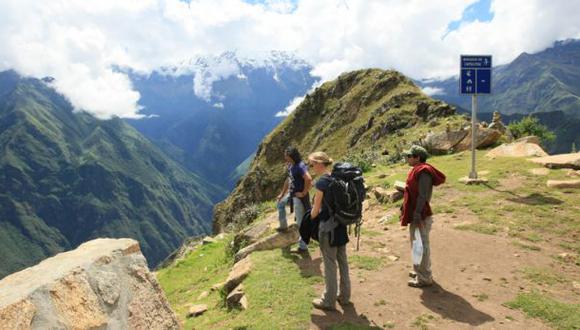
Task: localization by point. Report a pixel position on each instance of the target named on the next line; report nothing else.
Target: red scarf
(412, 192)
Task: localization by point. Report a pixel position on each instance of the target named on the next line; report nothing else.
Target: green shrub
(531, 126)
(364, 160)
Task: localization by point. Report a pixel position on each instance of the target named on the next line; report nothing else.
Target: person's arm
(425, 188)
(284, 189)
(307, 185)
(317, 204)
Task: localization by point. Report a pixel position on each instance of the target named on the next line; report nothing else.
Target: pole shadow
(531, 199)
(451, 306)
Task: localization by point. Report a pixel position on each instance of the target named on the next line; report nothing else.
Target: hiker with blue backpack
(337, 203)
(294, 192)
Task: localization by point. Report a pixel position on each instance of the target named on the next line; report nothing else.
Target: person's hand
(299, 194)
(417, 221)
(279, 198)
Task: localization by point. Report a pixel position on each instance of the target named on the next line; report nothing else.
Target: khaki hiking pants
(333, 256)
(423, 270)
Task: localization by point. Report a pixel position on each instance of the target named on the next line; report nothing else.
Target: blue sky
(479, 11)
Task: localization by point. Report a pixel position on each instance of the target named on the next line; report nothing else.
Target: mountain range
(545, 84)
(210, 113)
(66, 177)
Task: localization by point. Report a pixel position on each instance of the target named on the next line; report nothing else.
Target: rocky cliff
(360, 112)
(103, 284)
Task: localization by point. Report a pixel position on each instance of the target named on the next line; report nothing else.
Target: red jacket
(412, 192)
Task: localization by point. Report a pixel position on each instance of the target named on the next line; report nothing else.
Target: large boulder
(525, 147)
(443, 142)
(456, 141)
(252, 234)
(485, 137)
(274, 241)
(234, 298)
(103, 284)
(239, 272)
(560, 161)
(386, 195)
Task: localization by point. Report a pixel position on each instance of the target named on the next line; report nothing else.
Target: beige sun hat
(320, 157)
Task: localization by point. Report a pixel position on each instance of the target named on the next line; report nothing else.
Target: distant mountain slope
(565, 126)
(211, 121)
(542, 82)
(360, 111)
(67, 177)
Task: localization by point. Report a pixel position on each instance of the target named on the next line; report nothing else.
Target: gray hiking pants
(423, 270)
(331, 256)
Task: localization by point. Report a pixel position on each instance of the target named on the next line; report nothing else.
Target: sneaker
(343, 302)
(299, 250)
(412, 274)
(415, 283)
(319, 304)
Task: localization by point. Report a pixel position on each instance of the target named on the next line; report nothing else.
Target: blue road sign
(475, 74)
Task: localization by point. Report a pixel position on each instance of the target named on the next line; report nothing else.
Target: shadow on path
(349, 316)
(308, 267)
(451, 306)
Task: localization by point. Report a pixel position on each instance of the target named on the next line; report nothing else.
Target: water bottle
(417, 247)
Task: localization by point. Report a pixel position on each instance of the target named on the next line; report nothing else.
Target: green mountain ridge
(542, 82)
(66, 177)
(361, 112)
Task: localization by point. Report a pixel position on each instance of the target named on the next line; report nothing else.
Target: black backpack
(347, 193)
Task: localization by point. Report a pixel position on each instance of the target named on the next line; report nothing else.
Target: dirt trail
(474, 274)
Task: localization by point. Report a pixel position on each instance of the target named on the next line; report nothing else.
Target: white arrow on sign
(469, 81)
(468, 73)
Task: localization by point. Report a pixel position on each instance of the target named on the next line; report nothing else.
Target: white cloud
(433, 91)
(291, 107)
(218, 105)
(214, 70)
(79, 42)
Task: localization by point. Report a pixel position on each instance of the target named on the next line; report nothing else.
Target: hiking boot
(415, 283)
(299, 250)
(319, 304)
(412, 274)
(343, 302)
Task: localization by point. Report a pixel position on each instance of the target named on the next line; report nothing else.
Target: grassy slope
(279, 295)
(360, 111)
(527, 213)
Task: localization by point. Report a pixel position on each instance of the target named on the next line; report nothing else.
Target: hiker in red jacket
(416, 210)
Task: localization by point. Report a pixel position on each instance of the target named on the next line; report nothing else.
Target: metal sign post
(474, 78)
(473, 173)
